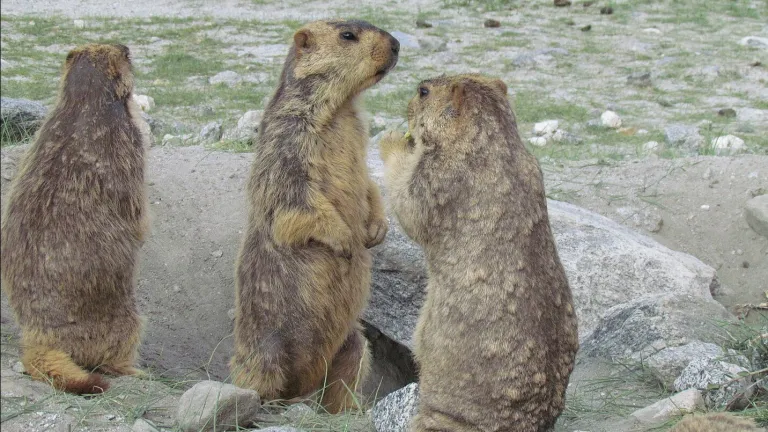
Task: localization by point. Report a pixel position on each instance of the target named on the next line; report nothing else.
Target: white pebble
(705, 207)
(610, 119)
(547, 127)
(728, 144)
(79, 24)
(538, 141)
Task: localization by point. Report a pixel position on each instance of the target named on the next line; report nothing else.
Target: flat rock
(728, 145)
(756, 214)
(665, 409)
(395, 411)
(683, 136)
(212, 405)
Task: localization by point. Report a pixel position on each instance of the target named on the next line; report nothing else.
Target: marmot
(719, 422)
(303, 271)
(73, 225)
(497, 336)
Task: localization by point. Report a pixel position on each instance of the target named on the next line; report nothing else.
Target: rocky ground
(624, 111)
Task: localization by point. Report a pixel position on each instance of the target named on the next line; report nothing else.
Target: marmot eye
(349, 36)
(423, 91)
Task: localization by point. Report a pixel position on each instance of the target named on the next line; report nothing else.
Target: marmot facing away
(496, 338)
(74, 222)
(303, 273)
(719, 422)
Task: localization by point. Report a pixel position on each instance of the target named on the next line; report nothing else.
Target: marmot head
(98, 70)
(345, 55)
(452, 110)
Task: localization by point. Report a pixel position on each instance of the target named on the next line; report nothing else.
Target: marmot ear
(302, 39)
(457, 96)
(501, 86)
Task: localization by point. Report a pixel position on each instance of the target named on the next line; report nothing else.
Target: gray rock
(683, 136)
(141, 425)
(298, 413)
(230, 78)
(406, 40)
(718, 380)
(607, 265)
(754, 41)
(18, 367)
(211, 133)
(651, 323)
(247, 127)
(667, 364)
(20, 118)
(639, 79)
(212, 405)
(394, 412)
(756, 213)
(665, 409)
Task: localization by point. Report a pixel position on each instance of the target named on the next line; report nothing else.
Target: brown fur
(74, 222)
(496, 337)
(716, 423)
(303, 274)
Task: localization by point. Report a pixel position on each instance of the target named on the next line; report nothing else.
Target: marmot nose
(395, 45)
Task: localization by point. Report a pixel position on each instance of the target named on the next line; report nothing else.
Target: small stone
(229, 78)
(754, 41)
(18, 367)
(610, 119)
(756, 214)
(727, 112)
(210, 133)
(210, 404)
(176, 289)
(652, 30)
(547, 127)
(745, 264)
(217, 254)
(665, 409)
(491, 23)
(714, 377)
(141, 425)
(705, 207)
(110, 417)
(586, 28)
(679, 135)
(538, 141)
(639, 79)
(606, 10)
(247, 127)
(395, 411)
(298, 413)
(420, 23)
(728, 144)
(651, 147)
(144, 102)
(707, 174)
(79, 23)
(231, 314)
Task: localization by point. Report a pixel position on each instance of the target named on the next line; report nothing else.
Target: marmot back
(73, 224)
(497, 335)
(303, 272)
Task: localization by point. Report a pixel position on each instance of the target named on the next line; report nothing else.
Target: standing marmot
(719, 422)
(73, 225)
(303, 274)
(496, 338)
